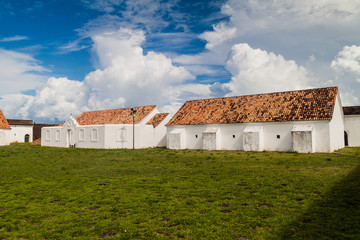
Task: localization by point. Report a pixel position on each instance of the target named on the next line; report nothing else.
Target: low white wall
(18, 133)
(352, 127)
(276, 135)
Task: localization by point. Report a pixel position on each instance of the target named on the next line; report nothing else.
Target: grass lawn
(53, 193)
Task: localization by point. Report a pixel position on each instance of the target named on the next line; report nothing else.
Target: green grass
(53, 193)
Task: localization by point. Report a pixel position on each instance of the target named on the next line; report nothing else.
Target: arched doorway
(27, 138)
(346, 139)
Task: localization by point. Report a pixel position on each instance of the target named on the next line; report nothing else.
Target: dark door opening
(27, 138)
(346, 139)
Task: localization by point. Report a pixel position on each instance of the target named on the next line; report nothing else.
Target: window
(278, 136)
(121, 135)
(81, 135)
(94, 135)
(196, 136)
(233, 136)
(57, 135)
(47, 135)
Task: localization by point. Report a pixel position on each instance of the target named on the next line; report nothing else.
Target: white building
(21, 130)
(304, 121)
(352, 126)
(5, 130)
(110, 129)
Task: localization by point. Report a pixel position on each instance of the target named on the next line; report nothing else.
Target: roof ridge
(118, 109)
(257, 94)
(296, 105)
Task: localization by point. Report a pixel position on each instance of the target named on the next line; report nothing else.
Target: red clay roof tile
(114, 116)
(303, 105)
(157, 119)
(3, 122)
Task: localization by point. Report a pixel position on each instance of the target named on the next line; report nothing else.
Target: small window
(278, 136)
(57, 135)
(81, 135)
(121, 135)
(94, 135)
(47, 135)
(196, 136)
(233, 136)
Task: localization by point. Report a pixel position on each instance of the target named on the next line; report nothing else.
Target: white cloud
(261, 15)
(126, 72)
(57, 99)
(14, 38)
(348, 60)
(257, 71)
(73, 46)
(102, 5)
(125, 77)
(347, 71)
(220, 34)
(19, 72)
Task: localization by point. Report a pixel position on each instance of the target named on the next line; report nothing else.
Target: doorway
(346, 138)
(27, 138)
(68, 138)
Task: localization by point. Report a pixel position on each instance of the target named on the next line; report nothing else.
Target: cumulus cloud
(348, 60)
(346, 65)
(126, 76)
(57, 99)
(19, 72)
(220, 34)
(129, 73)
(258, 71)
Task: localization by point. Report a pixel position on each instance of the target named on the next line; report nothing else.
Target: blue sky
(60, 57)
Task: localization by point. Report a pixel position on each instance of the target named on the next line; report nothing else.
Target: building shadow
(335, 216)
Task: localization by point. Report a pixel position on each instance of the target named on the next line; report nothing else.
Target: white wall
(352, 127)
(18, 132)
(336, 127)
(104, 136)
(5, 137)
(232, 135)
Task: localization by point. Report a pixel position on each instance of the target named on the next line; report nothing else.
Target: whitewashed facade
(324, 135)
(73, 134)
(352, 126)
(21, 130)
(5, 130)
(5, 137)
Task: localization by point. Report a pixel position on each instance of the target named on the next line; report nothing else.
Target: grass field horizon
(59, 193)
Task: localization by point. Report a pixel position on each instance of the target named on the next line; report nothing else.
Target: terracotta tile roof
(353, 110)
(312, 104)
(20, 122)
(157, 119)
(3, 121)
(114, 116)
